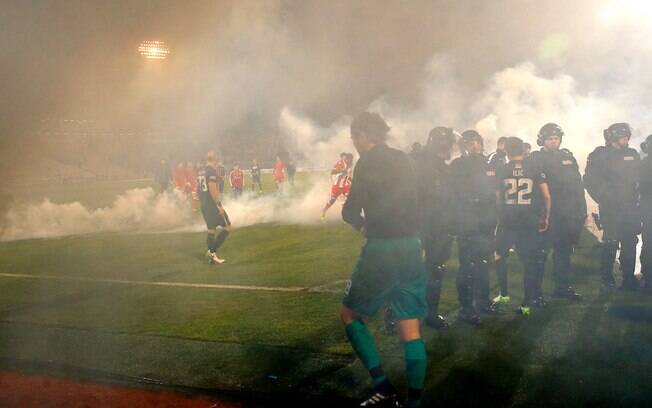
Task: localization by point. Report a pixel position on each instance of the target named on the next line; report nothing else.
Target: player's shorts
(389, 271)
(337, 191)
(527, 241)
(213, 217)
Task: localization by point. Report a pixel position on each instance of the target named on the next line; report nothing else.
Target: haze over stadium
(286, 75)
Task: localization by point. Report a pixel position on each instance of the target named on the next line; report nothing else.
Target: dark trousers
(531, 249)
(438, 251)
(618, 233)
(563, 236)
(646, 252)
(475, 252)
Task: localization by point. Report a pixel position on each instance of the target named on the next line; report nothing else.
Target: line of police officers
(458, 201)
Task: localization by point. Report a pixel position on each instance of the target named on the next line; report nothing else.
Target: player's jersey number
(202, 183)
(519, 191)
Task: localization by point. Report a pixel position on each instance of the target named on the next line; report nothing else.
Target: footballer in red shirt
(279, 172)
(236, 180)
(341, 177)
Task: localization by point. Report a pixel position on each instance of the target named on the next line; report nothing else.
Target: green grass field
(88, 308)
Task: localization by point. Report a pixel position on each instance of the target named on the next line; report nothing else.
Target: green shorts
(392, 272)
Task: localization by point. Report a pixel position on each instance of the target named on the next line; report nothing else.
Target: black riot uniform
(568, 212)
(646, 212)
(612, 179)
(473, 182)
(434, 212)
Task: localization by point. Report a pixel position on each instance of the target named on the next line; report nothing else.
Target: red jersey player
(279, 172)
(236, 180)
(180, 177)
(341, 182)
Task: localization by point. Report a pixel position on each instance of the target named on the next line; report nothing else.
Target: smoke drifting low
(143, 211)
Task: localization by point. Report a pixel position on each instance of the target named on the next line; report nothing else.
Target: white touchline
(146, 283)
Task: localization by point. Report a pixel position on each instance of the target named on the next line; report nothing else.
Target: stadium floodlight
(154, 50)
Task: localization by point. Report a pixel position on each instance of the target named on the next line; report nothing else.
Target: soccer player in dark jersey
(473, 182)
(524, 215)
(568, 212)
(390, 269)
(217, 220)
(256, 180)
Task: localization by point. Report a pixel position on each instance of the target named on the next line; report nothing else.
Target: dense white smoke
(142, 210)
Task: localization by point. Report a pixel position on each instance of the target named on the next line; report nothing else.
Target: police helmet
(616, 131)
(441, 138)
(549, 130)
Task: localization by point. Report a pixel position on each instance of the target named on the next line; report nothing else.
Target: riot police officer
(568, 212)
(473, 182)
(612, 179)
(434, 216)
(646, 212)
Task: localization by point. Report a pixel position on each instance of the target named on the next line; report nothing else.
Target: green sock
(415, 370)
(365, 347)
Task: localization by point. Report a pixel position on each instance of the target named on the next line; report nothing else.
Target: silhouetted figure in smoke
(256, 178)
(415, 151)
(499, 157)
(221, 175)
(473, 182)
(646, 211)
(291, 169)
(611, 178)
(383, 206)
(217, 220)
(341, 180)
(163, 175)
(568, 212)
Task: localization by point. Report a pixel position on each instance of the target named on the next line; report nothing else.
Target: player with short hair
(524, 215)
(341, 177)
(217, 220)
(236, 180)
(390, 268)
(256, 179)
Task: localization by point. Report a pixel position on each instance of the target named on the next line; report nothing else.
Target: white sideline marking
(146, 283)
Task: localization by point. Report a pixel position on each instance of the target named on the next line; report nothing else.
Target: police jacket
(473, 186)
(612, 178)
(646, 188)
(434, 198)
(565, 182)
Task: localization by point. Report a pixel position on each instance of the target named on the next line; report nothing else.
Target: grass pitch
(291, 343)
